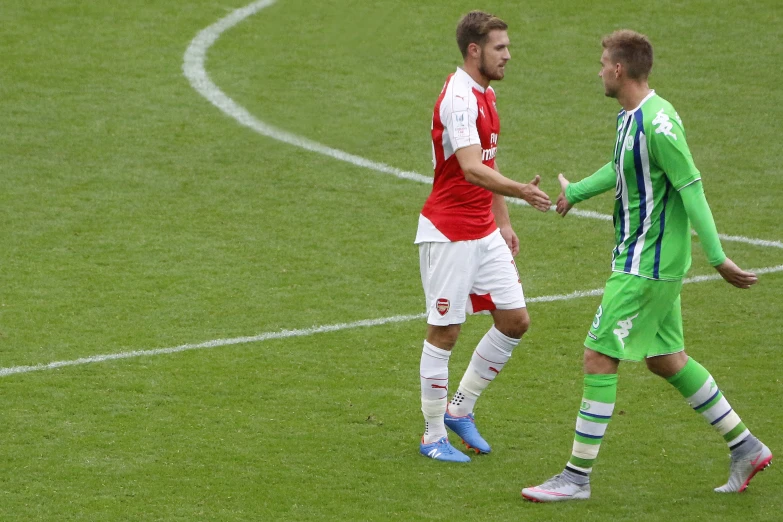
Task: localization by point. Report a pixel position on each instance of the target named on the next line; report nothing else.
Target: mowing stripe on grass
(284, 334)
(195, 71)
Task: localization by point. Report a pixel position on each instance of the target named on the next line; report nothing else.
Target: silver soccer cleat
(744, 469)
(557, 489)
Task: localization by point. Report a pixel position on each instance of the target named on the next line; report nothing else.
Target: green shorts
(638, 318)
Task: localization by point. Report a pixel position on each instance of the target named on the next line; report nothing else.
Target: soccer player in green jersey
(658, 196)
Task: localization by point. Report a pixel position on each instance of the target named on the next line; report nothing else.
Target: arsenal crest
(442, 305)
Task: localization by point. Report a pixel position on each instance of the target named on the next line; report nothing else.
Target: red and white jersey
(457, 210)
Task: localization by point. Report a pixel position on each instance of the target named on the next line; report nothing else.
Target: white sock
(491, 355)
(434, 371)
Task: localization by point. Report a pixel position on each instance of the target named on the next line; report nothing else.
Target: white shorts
(468, 277)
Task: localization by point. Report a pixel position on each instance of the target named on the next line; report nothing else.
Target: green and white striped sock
(698, 387)
(600, 393)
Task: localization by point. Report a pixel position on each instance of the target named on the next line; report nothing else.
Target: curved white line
(193, 67)
(195, 71)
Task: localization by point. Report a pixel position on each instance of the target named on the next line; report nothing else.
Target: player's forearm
(488, 178)
(597, 183)
(699, 213)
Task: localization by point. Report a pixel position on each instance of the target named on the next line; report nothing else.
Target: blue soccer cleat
(465, 427)
(442, 450)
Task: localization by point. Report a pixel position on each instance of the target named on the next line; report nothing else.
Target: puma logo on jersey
(624, 329)
(663, 125)
(481, 110)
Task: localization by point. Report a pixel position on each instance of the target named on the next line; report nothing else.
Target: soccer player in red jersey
(466, 243)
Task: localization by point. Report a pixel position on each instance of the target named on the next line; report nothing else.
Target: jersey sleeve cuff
(688, 184)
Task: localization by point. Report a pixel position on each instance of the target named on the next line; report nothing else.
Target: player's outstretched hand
(563, 206)
(535, 196)
(735, 275)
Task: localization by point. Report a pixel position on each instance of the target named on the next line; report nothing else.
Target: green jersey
(652, 164)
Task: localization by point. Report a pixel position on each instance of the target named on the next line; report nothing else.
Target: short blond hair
(631, 49)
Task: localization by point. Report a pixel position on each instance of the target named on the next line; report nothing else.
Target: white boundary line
(193, 67)
(305, 332)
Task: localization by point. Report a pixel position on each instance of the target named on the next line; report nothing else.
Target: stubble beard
(498, 75)
(610, 90)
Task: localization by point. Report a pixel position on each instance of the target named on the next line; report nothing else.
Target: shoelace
(555, 482)
(443, 445)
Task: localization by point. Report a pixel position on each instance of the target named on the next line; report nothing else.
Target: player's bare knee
(667, 365)
(512, 323)
(443, 337)
(519, 328)
(598, 363)
(653, 366)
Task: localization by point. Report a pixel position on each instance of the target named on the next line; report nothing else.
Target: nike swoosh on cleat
(553, 493)
(756, 460)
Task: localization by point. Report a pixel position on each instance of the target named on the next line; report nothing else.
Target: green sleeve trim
(701, 217)
(597, 183)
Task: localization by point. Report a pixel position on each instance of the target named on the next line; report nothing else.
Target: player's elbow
(472, 174)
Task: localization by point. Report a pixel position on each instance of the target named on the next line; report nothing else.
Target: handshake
(539, 200)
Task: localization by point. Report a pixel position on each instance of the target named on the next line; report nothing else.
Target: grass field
(137, 216)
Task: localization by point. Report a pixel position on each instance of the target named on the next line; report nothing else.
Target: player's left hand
(511, 239)
(735, 275)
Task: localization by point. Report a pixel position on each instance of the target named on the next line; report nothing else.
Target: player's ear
(474, 50)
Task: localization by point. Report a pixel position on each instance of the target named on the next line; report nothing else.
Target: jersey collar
(652, 93)
(466, 77)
